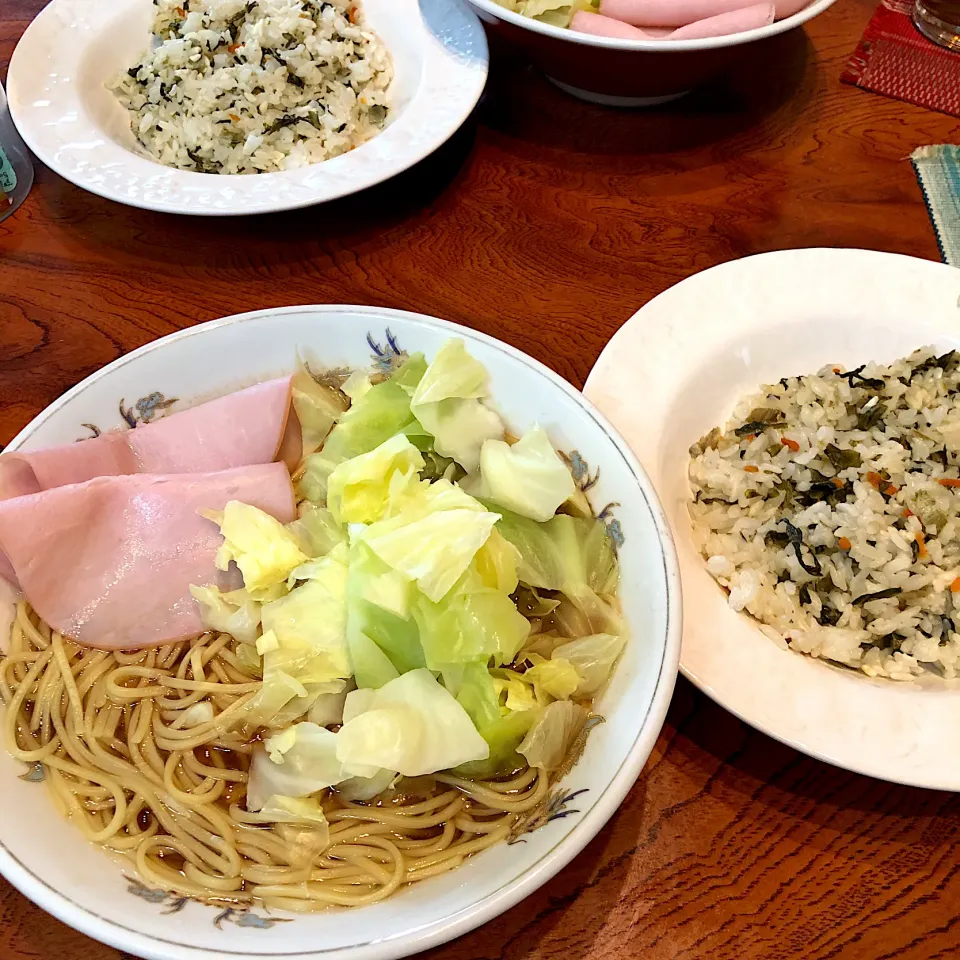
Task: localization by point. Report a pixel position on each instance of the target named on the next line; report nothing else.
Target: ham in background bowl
(620, 72)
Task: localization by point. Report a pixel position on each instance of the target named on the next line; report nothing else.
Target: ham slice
(109, 562)
(736, 21)
(681, 13)
(237, 430)
(600, 26)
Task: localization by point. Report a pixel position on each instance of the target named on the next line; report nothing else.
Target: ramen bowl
(47, 858)
(627, 73)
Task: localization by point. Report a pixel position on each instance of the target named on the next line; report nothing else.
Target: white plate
(675, 370)
(50, 861)
(69, 119)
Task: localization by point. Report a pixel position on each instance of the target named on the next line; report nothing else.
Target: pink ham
(736, 21)
(599, 26)
(787, 8)
(680, 13)
(109, 562)
(237, 430)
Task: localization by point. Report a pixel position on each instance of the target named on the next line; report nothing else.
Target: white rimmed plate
(69, 119)
(50, 862)
(675, 370)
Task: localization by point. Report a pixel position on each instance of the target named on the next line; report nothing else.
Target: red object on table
(893, 58)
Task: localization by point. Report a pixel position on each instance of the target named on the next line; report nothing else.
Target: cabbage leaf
(236, 612)
(264, 550)
(295, 763)
(411, 725)
(551, 736)
(593, 658)
(377, 415)
(528, 478)
(316, 531)
(317, 407)
(447, 402)
(359, 489)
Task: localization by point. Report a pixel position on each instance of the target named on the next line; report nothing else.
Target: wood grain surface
(548, 222)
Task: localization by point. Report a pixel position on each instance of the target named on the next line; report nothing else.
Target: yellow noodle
(124, 762)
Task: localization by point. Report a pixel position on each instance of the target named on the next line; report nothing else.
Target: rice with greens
(259, 86)
(829, 509)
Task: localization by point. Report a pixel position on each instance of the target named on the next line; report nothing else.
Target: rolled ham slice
(736, 21)
(600, 26)
(109, 562)
(681, 13)
(240, 429)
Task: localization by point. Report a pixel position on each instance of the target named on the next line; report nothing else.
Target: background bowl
(50, 862)
(63, 110)
(626, 73)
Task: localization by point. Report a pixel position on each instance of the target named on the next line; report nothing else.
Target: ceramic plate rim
(556, 857)
(437, 61)
(933, 279)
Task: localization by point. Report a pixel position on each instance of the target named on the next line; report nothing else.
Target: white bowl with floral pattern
(47, 859)
(61, 105)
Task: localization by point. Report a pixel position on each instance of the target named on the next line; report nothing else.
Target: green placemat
(938, 170)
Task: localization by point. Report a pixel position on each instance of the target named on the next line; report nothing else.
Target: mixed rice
(829, 509)
(232, 86)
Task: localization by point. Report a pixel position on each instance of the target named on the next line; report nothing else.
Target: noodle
(121, 761)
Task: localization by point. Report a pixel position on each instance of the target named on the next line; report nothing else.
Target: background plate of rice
(63, 98)
(679, 368)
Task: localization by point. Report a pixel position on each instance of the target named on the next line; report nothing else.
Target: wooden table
(547, 223)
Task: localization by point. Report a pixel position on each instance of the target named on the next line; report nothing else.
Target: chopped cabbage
(548, 741)
(528, 478)
(411, 725)
(366, 788)
(470, 625)
(564, 550)
(306, 761)
(358, 489)
(371, 666)
(573, 555)
(384, 641)
(316, 531)
(357, 384)
(379, 414)
(434, 550)
(556, 678)
(236, 613)
(447, 402)
(496, 562)
(418, 500)
(593, 658)
(327, 709)
(304, 646)
(518, 696)
(301, 811)
(558, 13)
(264, 550)
(501, 727)
(317, 407)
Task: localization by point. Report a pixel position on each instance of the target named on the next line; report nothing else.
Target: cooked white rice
(232, 86)
(829, 509)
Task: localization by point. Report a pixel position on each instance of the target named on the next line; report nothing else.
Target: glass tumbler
(939, 21)
(16, 167)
